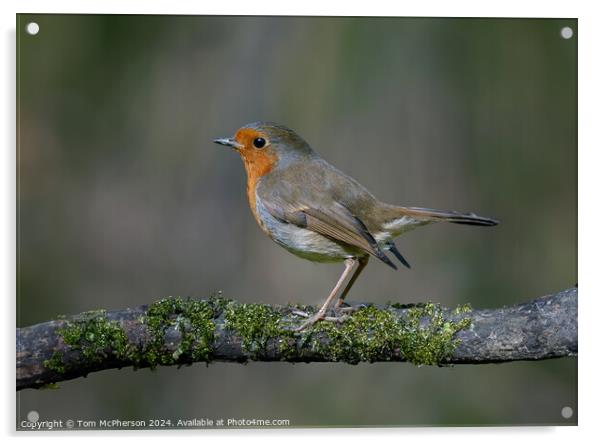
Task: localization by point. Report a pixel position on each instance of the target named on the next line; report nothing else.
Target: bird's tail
(402, 219)
(399, 220)
(431, 215)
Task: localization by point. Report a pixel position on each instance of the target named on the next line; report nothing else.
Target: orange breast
(257, 164)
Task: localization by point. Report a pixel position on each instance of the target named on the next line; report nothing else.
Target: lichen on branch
(182, 331)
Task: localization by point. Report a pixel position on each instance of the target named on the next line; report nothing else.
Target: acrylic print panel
(124, 199)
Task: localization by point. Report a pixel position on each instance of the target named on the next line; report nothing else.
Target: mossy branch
(177, 331)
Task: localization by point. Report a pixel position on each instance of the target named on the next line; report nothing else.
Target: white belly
(315, 247)
(302, 242)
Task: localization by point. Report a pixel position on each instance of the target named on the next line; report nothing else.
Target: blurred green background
(123, 199)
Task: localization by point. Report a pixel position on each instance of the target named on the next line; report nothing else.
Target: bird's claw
(339, 319)
(346, 309)
(310, 321)
(321, 315)
(300, 313)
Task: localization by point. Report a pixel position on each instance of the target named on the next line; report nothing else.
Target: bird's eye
(259, 142)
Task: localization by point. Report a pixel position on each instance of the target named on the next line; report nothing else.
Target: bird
(319, 213)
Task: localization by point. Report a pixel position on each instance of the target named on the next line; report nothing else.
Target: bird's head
(267, 143)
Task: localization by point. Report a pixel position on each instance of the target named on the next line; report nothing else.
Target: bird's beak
(229, 142)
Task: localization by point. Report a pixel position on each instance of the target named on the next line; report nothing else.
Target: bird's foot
(321, 315)
(300, 313)
(339, 319)
(343, 307)
(345, 310)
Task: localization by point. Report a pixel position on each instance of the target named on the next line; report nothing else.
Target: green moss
(97, 337)
(94, 336)
(55, 363)
(462, 309)
(256, 324)
(429, 336)
(193, 319)
(183, 331)
(422, 336)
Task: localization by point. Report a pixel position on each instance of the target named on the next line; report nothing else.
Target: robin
(317, 212)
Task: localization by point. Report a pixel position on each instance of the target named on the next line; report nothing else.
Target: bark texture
(50, 352)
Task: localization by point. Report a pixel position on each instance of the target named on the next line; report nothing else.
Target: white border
(458, 8)
(590, 146)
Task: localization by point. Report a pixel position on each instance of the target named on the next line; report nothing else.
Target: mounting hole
(566, 412)
(566, 32)
(32, 28)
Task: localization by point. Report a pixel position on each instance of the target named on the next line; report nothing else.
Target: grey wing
(316, 208)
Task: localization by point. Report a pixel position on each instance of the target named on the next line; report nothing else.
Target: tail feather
(452, 217)
(403, 219)
(393, 248)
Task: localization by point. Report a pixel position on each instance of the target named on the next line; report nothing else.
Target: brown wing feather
(339, 224)
(334, 222)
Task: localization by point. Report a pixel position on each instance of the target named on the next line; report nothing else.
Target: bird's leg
(350, 264)
(363, 261)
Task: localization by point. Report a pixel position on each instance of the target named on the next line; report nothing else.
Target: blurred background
(124, 200)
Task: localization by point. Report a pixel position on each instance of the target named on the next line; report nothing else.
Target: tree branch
(181, 332)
